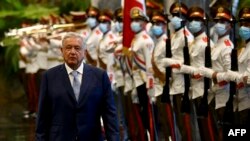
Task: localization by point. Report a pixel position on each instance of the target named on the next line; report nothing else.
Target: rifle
(185, 103)
(203, 107)
(203, 110)
(228, 118)
(165, 96)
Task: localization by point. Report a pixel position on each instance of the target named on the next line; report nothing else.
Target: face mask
(91, 22)
(119, 26)
(157, 30)
(194, 26)
(220, 29)
(103, 27)
(244, 32)
(135, 27)
(176, 22)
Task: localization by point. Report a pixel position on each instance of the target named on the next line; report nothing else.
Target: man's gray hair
(74, 35)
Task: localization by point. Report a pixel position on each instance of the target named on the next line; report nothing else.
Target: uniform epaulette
(111, 36)
(227, 42)
(84, 33)
(205, 39)
(145, 36)
(98, 32)
(186, 32)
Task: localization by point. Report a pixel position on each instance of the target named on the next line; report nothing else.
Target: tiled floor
(13, 127)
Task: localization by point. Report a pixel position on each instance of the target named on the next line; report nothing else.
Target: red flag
(128, 34)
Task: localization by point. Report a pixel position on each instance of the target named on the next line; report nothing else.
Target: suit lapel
(66, 83)
(86, 81)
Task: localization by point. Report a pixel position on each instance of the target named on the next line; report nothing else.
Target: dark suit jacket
(62, 118)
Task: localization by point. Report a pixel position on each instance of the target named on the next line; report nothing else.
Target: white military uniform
(85, 32)
(41, 57)
(23, 50)
(119, 68)
(32, 66)
(197, 59)
(141, 47)
(54, 51)
(105, 54)
(92, 43)
(159, 53)
(244, 68)
(221, 62)
(177, 44)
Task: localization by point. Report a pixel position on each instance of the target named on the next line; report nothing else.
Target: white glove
(166, 62)
(206, 72)
(187, 69)
(232, 75)
(222, 76)
(248, 79)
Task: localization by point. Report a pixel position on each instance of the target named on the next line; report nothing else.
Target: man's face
(72, 51)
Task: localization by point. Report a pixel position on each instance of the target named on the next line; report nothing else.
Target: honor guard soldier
(198, 58)
(119, 74)
(159, 21)
(141, 49)
(106, 46)
(25, 52)
(180, 38)
(221, 63)
(94, 37)
(107, 43)
(244, 67)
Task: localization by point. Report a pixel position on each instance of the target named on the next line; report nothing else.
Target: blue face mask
(119, 26)
(176, 22)
(157, 30)
(103, 27)
(91, 22)
(135, 26)
(220, 29)
(194, 26)
(244, 32)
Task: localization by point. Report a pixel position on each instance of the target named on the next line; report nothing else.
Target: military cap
(179, 8)
(195, 13)
(153, 5)
(158, 16)
(118, 14)
(222, 13)
(137, 13)
(106, 16)
(92, 11)
(78, 16)
(244, 14)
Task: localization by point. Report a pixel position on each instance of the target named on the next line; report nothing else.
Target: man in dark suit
(70, 107)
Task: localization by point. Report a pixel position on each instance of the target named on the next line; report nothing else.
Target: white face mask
(220, 28)
(119, 26)
(103, 27)
(92, 22)
(244, 32)
(135, 26)
(176, 22)
(194, 26)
